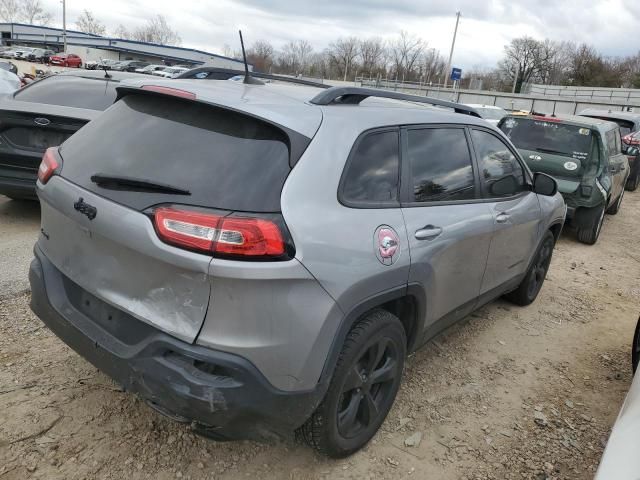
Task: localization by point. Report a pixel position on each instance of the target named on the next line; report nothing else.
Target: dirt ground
(513, 393)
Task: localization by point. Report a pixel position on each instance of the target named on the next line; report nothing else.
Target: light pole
(453, 44)
(64, 24)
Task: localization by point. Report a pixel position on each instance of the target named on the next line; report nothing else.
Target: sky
(486, 26)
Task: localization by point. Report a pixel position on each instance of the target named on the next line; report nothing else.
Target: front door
(515, 209)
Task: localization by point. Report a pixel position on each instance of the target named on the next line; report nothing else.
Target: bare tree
(87, 23)
(34, 14)
(405, 51)
(122, 32)
(522, 61)
(261, 55)
(343, 53)
(157, 30)
(372, 54)
(10, 10)
(432, 66)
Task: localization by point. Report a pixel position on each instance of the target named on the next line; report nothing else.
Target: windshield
(549, 137)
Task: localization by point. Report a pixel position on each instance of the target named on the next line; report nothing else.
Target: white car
(170, 72)
(620, 460)
(490, 113)
(149, 69)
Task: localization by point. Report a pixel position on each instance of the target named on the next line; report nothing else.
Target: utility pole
(64, 24)
(453, 44)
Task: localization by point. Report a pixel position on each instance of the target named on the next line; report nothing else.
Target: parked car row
(30, 54)
(438, 214)
(138, 67)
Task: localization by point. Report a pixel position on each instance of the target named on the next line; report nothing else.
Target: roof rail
(232, 73)
(355, 95)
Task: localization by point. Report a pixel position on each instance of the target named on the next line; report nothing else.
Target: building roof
(26, 33)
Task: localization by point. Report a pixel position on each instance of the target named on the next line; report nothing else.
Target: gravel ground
(512, 393)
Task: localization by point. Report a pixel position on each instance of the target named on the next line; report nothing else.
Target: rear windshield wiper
(549, 150)
(135, 184)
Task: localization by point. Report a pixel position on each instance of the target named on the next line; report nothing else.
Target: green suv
(583, 155)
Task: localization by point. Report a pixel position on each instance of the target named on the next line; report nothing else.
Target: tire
(355, 404)
(635, 351)
(590, 234)
(531, 285)
(633, 182)
(615, 208)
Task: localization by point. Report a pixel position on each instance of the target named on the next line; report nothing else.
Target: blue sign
(456, 73)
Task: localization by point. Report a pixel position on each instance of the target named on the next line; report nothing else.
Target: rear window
(552, 137)
(225, 160)
(71, 91)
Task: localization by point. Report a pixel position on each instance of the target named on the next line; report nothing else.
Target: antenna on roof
(247, 77)
(106, 72)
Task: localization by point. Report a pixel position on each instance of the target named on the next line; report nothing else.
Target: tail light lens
(50, 162)
(223, 235)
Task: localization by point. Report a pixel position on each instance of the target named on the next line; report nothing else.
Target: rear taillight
(48, 165)
(221, 234)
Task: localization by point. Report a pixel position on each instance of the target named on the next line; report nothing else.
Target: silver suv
(259, 259)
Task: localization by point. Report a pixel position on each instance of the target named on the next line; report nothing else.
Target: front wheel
(590, 234)
(633, 182)
(530, 286)
(363, 388)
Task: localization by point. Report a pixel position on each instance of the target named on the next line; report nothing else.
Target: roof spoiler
(232, 73)
(355, 95)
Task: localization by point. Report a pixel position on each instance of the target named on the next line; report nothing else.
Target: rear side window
(71, 91)
(440, 163)
(224, 159)
(372, 175)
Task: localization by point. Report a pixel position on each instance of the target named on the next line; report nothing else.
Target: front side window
(440, 165)
(502, 174)
(372, 174)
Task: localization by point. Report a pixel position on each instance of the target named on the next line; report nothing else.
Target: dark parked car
(628, 122)
(40, 55)
(43, 114)
(584, 155)
(129, 65)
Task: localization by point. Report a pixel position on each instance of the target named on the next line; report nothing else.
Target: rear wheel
(530, 286)
(590, 234)
(363, 388)
(615, 208)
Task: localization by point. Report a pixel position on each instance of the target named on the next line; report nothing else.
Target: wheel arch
(407, 302)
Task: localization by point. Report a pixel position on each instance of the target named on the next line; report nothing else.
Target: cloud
(485, 27)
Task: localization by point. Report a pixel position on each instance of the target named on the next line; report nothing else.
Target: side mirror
(504, 187)
(543, 184)
(632, 151)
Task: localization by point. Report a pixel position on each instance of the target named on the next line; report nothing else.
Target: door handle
(428, 232)
(502, 217)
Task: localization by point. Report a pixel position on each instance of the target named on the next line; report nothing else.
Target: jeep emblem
(386, 245)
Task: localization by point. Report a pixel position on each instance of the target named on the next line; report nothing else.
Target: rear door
(448, 225)
(515, 209)
(235, 163)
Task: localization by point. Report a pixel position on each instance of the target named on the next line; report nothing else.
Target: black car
(628, 122)
(43, 114)
(40, 55)
(129, 65)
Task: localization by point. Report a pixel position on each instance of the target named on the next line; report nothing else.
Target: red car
(66, 60)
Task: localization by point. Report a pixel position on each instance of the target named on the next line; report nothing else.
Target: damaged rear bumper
(220, 394)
